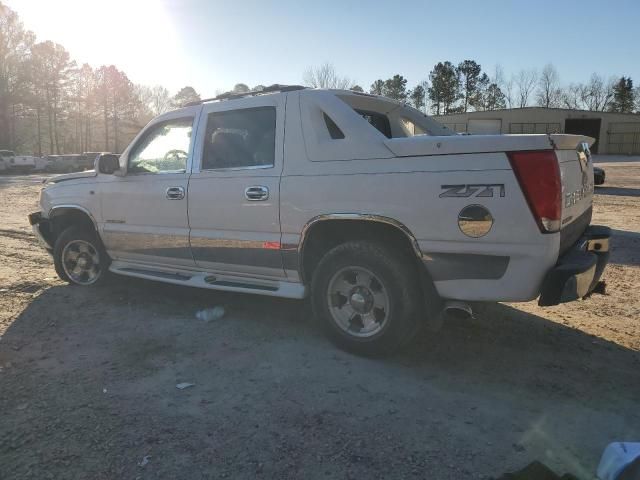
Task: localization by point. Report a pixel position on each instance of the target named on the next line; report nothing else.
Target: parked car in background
(22, 164)
(65, 163)
(73, 162)
(598, 175)
(41, 163)
(6, 156)
(383, 216)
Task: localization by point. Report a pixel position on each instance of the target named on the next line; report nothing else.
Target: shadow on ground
(618, 191)
(88, 389)
(625, 247)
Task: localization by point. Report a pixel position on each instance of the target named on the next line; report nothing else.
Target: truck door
(144, 213)
(234, 187)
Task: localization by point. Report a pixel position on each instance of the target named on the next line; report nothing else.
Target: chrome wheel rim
(358, 302)
(81, 262)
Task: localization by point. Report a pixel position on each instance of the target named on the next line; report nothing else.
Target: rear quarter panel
(408, 190)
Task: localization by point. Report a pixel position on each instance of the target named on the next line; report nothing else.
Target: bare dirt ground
(88, 377)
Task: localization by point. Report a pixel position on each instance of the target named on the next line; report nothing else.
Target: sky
(212, 45)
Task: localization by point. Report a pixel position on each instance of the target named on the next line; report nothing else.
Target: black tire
(73, 234)
(397, 275)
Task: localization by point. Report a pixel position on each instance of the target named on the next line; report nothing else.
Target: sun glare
(137, 36)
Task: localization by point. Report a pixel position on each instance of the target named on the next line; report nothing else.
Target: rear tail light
(539, 177)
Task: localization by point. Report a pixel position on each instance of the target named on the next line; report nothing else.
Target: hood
(70, 176)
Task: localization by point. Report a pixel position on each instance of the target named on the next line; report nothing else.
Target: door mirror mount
(109, 164)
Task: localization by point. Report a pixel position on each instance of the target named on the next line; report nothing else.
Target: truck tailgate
(576, 172)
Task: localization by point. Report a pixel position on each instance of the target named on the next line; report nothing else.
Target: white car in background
(24, 164)
(383, 216)
(6, 158)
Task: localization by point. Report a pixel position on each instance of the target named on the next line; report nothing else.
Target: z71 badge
(472, 190)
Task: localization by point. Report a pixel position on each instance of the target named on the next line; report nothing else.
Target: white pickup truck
(380, 214)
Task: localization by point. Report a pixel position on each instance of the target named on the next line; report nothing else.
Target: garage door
(585, 126)
(484, 127)
(624, 138)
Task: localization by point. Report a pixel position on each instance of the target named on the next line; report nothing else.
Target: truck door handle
(175, 193)
(256, 193)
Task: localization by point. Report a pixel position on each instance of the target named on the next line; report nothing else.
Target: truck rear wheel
(367, 297)
(80, 258)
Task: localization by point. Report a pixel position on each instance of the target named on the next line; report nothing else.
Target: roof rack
(276, 87)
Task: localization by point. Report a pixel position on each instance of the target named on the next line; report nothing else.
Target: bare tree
(525, 83)
(598, 93)
(15, 46)
(53, 75)
(549, 93)
(504, 85)
(83, 90)
(325, 76)
(510, 92)
(498, 76)
(160, 100)
(144, 97)
(573, 96)
(427, 101)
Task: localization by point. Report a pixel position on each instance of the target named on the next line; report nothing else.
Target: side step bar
(228, 283)
(211, 280)
(154, 273)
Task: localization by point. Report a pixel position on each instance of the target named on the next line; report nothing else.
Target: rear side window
(334, 131)
(240, 138)
(379, 120)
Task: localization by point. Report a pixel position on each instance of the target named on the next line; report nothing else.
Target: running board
(154, 273)
(228, 283)
(211, 280)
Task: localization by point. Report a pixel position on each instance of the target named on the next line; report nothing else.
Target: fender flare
(52, 212)
(358, 217)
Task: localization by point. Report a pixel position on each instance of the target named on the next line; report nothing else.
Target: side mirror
(108, 164)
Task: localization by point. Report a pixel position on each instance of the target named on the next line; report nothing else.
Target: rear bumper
(578, 271)
(41, 229)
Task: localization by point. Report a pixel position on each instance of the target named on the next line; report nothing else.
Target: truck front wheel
(367, 297)
(80, 258)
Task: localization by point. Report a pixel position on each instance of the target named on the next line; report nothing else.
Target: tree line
(51, 105)
(466, 87)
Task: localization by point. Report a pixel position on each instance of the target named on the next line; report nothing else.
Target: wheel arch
(324, 231)
(385, 229)
(63, 216)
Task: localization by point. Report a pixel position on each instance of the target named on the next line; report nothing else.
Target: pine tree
(417, 96)
(377, 87)
(445, 87)
(395, 88)
(623, 96)
(469, 73)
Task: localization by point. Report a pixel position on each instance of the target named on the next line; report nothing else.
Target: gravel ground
(88, 377)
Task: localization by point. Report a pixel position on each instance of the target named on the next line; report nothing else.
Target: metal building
(615, 133)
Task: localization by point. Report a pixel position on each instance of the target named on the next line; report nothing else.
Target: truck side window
(334, 130)
(164, 148)
(240, 138)
(379, 120)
